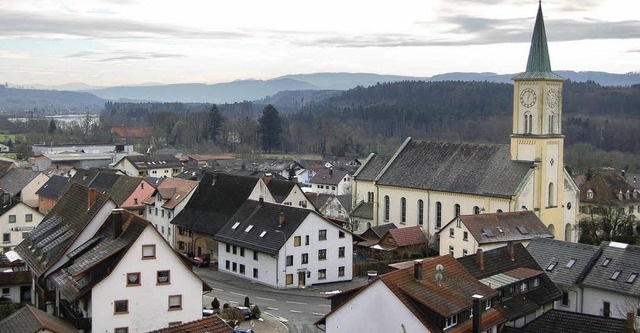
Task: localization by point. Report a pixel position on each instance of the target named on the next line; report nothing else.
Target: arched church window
(476, 210)
(386, 208)
(403, 210)
(552, 124)
(528, 123)
(456, 210)
(551, 196)
(438, 215)
(420, 212)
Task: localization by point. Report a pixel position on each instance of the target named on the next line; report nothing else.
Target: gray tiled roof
(16, 179)
(54, 187)
(548, 251)
(371, 167)
(144, 162)
(503, 227)
(459, 167)
(345, 201)
(626, 260)
(31, 320)
(363, 210)
(263, 217)
(554, 321)
(328, 177)
(280, 189)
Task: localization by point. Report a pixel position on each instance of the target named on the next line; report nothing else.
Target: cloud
(111, 56)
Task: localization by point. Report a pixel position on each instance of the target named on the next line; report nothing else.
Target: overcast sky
(121, 42)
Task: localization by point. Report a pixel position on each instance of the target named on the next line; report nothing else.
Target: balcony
(74, 316)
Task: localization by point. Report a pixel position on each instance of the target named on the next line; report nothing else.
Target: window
(369, 196)
(242, 269)
(121, 306)
(615, 275)
(242, 251)
(606, 309)
(6, 238)
(306, 240)
(302, 204)
(175, 302)
(289, 279)
(565, 298)
(322, 274)
(255, 255)
(451, 321)
(523, 287)
(341, 271)
(175, 323)
(456, 210)
(552, 266)
(606, 262)
(150, 209)
(28, 217)
(551, 197)
(133, 279)
(420, 212)
(632, 278)
(322, 254)
(386, 208)
(228, 247)
(234, 266)
(451, 249)
(255, 273)
(322, 234)
(227, 264)
(536, 282)
(589, 194)
(403, 211)
(465, 236)
(6, 291)
(305, 258)
(476, 210)
(341, 252)
(289, 261)
(438, 215)
(464, 252)
(149, 251)
(12, 219)
(163, 277)
(452, 232)
(121, 330)
(235, 249)
(340, 234)
(571, 263)
(296, 241)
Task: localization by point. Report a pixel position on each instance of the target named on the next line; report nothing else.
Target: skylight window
(606, 262)
(615, 275)
(552, 266)
(263, 233)
(632, 278)
(523, 230)
(235, 225)
(571, 263)
(487, 232)
(248, 228)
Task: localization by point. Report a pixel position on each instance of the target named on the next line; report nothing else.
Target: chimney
(280, 219)
(84, 176)
(623, 173)
(261, 200)
(330, 172)
(480, 259)
(267, 178)
(631, 322)
(511, 251)
(92, 195)
(116, 216)
(417, 269)
(477, 314)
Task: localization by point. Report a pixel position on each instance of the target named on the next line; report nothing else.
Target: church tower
(537, 129)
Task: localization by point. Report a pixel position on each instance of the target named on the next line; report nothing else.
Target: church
(428, 183)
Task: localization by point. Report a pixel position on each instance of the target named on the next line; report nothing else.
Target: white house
(16, 221)
(23, 184)
(466, 234)
(284, 247)
(330, 181)
(149, 166)
(166, 202)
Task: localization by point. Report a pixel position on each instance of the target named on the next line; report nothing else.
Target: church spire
(539, 65)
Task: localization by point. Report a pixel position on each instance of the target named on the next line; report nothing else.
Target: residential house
(371, 237)
(330, 181)
(554, 321)
(283, 246)
(144, 166)
(106, 269)
(286, 192)
(400, 243)
(427, 183)
(361, 217)
(436, 295)
(332, 206)
(16, 221)
(76, 160)
(607, 190)
(23, 184)
(50, 193)
(6, 164)
(211, 324)
(16, 286)
(566, 264)
(466, 234)
(29, 319)
(167, 201)
(525, 292)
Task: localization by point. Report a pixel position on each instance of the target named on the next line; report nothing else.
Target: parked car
(202, 261)
(245, 311)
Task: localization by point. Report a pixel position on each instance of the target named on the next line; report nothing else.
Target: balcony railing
(74, 316)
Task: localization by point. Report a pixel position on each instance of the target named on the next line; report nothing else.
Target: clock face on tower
(528, 98)
(552, 98)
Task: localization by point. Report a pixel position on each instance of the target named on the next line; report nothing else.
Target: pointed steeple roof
(538, 65)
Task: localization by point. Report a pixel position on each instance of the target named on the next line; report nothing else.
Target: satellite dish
(439, 268)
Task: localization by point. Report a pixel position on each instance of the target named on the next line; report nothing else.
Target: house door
(302, 276)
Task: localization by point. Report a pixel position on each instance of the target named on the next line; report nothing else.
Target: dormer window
(620, 195)
(627, 195)
(589, 194)
(451, 321)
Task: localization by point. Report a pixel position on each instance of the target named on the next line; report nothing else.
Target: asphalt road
(298, 309)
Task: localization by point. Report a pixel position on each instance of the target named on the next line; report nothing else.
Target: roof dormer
(590, 194)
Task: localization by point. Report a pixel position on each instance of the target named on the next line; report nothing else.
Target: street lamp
(284, 237)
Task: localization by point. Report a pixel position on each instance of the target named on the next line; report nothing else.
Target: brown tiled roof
(175, 190)
(15, 278)
(407, 236)
(31, 320)
(503, 227)
(212, 324)
(606, 187)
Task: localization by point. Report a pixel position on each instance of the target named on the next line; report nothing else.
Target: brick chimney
(631, 322)
(267, 178)
(281, 219)
(417, 269)
(92, 195)
(116, 220)
(511, 252)
(480, 259)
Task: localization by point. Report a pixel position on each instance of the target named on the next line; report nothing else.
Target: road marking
(274, 309)
(318, 314)
(218, 290)
(238, 294)
(325, 305)
(300, 303)
(266, 299)
(296, 311)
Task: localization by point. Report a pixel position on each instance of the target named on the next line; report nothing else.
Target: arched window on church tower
(528, 123)
(552, 120)
(551, 196)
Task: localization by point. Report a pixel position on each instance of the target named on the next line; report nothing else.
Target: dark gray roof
(280, 189)
(216, 199)
(549, 251)
(54, 187)
(370, 169)
(459, 167)
(318, 199)
(264, 217)
(16, 179)
(363, 210)
(345, 201)
(328, 177)
(31, 320)
(554, 321)
(625, 260)
(376, 232)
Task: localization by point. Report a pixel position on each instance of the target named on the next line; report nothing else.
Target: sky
(128, 42)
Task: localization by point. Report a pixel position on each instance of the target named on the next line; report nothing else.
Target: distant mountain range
(264, 91)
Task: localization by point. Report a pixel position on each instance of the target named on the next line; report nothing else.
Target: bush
(215, 304)
(232, 314)
(255, 312)
(246, 302)
(225, 306)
